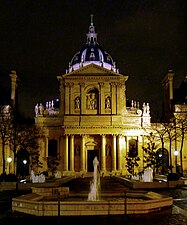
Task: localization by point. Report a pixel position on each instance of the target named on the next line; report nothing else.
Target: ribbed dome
(92, 52)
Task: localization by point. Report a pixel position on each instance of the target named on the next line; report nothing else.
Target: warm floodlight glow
(9, 159)
(176, 152)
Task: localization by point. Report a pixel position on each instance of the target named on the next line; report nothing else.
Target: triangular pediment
(92, 69)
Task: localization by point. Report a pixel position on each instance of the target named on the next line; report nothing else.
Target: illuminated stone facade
(93, 118)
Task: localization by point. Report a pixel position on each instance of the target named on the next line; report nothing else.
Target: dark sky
(39, 38)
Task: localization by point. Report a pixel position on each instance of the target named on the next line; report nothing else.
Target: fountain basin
(39, 204)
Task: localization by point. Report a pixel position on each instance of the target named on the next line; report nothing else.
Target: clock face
(139, 112)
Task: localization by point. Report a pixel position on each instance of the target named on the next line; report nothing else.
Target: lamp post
(9, 160)
(24, 162)
(176, 154)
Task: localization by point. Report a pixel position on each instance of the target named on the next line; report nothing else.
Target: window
(133, 148)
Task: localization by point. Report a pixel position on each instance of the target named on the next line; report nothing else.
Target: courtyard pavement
(177, 215)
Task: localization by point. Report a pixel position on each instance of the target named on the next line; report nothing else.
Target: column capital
(71, 84)
(101, 84)
(113, 84)
(120, 84)
(68, 84)
(82, 84)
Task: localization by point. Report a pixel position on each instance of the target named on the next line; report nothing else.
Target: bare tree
(170, 129)
(150, 156)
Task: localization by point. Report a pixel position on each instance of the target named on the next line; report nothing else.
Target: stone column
(114, 153)
(72, 153)
(103, 154)
(66, 154)
(82, 153)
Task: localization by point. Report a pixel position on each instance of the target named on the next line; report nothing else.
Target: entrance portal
(91, 156)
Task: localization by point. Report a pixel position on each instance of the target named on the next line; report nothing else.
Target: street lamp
(176, 154)
(24, 162)
(9, 160)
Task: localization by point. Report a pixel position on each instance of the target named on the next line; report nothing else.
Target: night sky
(39, 38)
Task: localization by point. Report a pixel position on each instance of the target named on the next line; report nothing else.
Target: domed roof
(92, 52)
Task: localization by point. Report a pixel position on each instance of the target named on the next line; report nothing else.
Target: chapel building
(93, 116)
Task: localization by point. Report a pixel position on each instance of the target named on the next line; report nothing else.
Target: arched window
(133, 148)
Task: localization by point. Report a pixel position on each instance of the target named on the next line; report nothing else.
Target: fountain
(57, 200)
(94, 193)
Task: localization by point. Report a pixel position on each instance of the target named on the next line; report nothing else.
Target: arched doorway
(22, 163)
(162, 161)
(91, 155)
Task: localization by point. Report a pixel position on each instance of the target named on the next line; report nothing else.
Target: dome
(92, 52)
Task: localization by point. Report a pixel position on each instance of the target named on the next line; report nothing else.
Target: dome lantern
(92, 52)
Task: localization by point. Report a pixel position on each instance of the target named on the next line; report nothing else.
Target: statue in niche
(107, 103)
(92, 101)
(77, 102)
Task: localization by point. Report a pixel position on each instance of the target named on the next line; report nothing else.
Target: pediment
(92, 69)
(91, 144)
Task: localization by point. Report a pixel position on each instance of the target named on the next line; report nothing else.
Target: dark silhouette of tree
(52, 163)
(132, 162)
(160, 133)
(5, 130)
(150, 155)
(181, 130)
(25, 137)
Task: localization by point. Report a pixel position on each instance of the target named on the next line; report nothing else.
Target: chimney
(13, 87)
